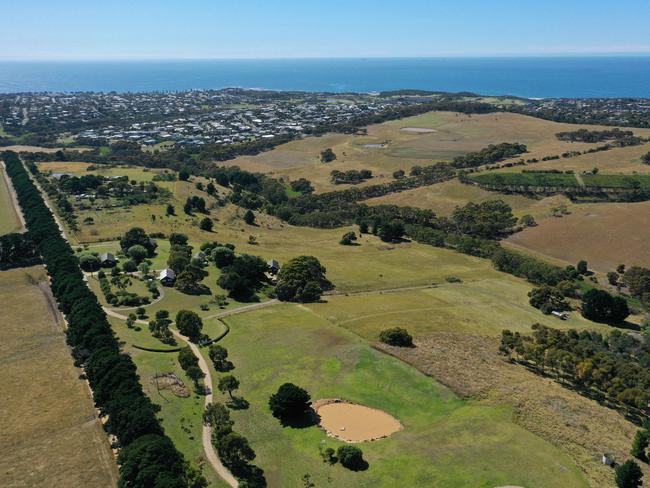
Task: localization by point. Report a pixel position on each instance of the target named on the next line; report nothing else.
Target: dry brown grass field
(452, 134)
(443, 198)
(49, 433)
(470, 366)
(605, 234)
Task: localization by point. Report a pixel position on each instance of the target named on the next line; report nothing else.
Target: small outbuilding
(273, 266)
(107, 260)
(167, 277)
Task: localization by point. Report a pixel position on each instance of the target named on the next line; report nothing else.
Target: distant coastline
(529, 77)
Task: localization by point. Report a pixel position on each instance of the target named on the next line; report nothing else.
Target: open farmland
(444, 197)
(49, 432)
(605, 234)
(475, 444)
(388, 147)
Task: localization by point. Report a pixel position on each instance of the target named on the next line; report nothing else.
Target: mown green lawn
(482, 306)
(445, 441)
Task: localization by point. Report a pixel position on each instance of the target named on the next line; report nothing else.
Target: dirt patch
(418, 130)
(171, 382)
(581, 427)
(351, 422)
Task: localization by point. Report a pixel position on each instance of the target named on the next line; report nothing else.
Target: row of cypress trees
(147, 458)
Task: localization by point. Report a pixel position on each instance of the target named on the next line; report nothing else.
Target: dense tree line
(613, 367)
(585, 135)
(489, 155)
(337, 208)
(148, 458)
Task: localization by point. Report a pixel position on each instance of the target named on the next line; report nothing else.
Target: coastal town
(186, 118)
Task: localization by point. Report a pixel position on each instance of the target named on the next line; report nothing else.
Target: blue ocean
(533, 77)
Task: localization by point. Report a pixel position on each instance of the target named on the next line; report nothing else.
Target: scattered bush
(396, 336)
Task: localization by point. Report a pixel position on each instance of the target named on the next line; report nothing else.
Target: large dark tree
(302, 279)
(290, 401)
(600, 306)
(189, 324)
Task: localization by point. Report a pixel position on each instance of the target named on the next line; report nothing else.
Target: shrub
(348, 238)
(351, 457)
(89, 262)
(396, 336)
(249, 217)
(129, 266)
(138, 253)
(206, 224)
(628, 475)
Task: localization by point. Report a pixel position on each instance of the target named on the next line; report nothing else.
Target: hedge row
(112, 375)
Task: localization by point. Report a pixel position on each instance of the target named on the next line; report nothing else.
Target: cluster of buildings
(193, 117)
(634, 112)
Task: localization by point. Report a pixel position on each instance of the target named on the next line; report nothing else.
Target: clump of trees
(586, 135)
(548, 299)
(159, 327)
(243, 276)
(18, 250)
(491, 154)
(194, 204)
(234, 449)
(489, 220)
(289, 402)
(138, 237)
(351, 177)
(302, 279)
(637, 280)
(613, 368)
(148, 457)
(396, 336)
(190, 364)
(302, 185)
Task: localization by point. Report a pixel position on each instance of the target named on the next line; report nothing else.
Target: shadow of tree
(308, 419)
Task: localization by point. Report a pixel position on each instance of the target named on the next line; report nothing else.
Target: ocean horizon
(529, 77)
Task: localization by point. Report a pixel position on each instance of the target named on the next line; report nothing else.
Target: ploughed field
(605, 234)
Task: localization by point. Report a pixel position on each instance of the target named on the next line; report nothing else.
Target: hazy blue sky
(71, 29)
